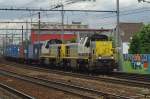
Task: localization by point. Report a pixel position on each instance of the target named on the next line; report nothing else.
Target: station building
(127, 31)
(70, 31)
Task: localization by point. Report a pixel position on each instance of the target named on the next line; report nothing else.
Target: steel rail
(105, 78)
(15, 92)
(74, 89)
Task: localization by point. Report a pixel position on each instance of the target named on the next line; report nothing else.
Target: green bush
(140, 44)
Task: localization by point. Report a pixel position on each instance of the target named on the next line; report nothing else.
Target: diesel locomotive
(93, 53)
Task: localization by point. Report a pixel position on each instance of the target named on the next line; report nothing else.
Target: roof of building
(76, 30)
(128, 29)
(44, 37)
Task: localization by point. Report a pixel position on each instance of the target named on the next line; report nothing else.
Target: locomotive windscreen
(96, 37)
(99, 37)
(55, 41)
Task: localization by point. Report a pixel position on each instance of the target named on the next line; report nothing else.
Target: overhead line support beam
(26, 9)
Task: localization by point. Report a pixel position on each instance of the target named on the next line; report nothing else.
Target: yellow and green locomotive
(93, 53)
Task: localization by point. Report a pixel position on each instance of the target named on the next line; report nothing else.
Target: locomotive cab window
(47, 44)
(99, 37)
(87, 44)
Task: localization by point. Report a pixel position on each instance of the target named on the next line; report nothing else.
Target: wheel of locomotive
(57, 63)
(52, 63)
(28, 61)
(111, 66)
(66, 64)
(77, 66)
(73, 64)
(61, 64)
(42, 62)
(108, 67)
(87, 68)
(83, 66)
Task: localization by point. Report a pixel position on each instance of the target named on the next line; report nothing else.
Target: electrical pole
(4, 48)
(22, 36)
(26, 31)
(12, 37)
(39, 27)
(118, 34)
(6, 40)
(118, 28)
(62, 14)
(26, 40)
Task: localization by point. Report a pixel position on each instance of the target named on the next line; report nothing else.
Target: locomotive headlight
(112, 57)
(99, 57)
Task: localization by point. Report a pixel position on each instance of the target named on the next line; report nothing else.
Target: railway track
(121, 75)
(132, 76)
(74, 89)
(104, 78)
(15, 92)
(116, 77)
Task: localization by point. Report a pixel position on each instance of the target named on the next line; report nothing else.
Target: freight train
(93, 53)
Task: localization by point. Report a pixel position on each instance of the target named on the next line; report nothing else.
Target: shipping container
(12, 51)
(37, 50)
(34, 51)
(30, 51)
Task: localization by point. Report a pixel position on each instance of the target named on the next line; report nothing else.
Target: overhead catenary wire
(145, 9)
(65, 0)
(123, 13)
(126, 13)
(49, 14)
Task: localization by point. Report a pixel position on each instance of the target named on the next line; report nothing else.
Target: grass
(127, 67)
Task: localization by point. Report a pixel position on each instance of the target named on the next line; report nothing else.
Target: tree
(140, 43)
(145, 40)
(134, 45)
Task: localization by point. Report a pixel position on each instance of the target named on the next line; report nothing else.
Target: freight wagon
(33, 53)
(12, 52)
(22, 54)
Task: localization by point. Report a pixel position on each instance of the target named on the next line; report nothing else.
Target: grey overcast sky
(131, 11)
